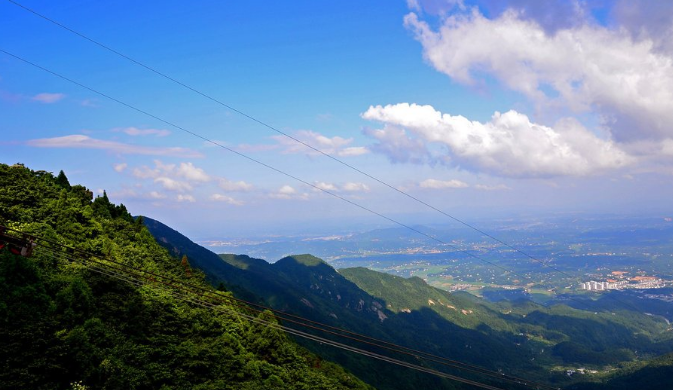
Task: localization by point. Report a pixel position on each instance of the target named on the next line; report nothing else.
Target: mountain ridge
(403, 307)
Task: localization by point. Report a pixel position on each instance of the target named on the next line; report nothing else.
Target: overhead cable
(293, 138)
(89, 259)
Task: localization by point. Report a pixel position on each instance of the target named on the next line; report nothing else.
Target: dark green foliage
(62, 180)
(655, 374)
(307, 286)
(522, 338)
(61, 323)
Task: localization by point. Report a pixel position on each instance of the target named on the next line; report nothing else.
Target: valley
(566, 252)
(574, 336)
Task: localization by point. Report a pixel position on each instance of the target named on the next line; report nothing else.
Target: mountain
(653, 374)
(521, 338)
(70, 320)
(307, 286)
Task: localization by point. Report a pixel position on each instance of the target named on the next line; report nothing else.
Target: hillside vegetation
(63, 326)
(521, 338)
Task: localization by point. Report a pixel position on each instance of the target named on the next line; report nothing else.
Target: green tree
(62, 180)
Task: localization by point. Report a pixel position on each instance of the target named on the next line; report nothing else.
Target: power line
(296, 178)
(139, 281)
(252, 159)
(252, 118)
(89, 259)
(285, 134)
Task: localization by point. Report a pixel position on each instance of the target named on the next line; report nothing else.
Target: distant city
(621, 281)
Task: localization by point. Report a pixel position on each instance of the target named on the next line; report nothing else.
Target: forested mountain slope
(307, 286)
(655, 374)
(63, 326)
(520, 338)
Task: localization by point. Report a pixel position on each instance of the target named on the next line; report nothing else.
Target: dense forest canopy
(63, 326)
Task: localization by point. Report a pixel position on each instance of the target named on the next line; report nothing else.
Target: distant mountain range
(520, 338)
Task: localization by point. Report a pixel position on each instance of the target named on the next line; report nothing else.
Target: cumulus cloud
(190, 172)
(646, 19)
(288, 192)
(345, 187)
(173, 185)
(180, 178)
(225, 199)
(48, 98)
(77, 141)
(235, 186)
(395, 143)
(509, 145)
(134, 131)
(120, 167)
(326, 186)
(442, 184)
(621, 77)
(185, 198)
(355, 187)
(185, 170)
(335, 146)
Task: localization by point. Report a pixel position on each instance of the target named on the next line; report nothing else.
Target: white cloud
(552, 15)
(185, 171)
(355, 187)
(335, 146)
(173, 185)
(497, 187)
(346, 187)
(120, 167)
(414, 5)
(192, 173)
(179, 178)
(77, 141)
(584, 68)
(288, 192)
(48, 98)
(145, 173)
(185, 198)
(647, 19)
(235, 186)
(508, 145)
(156, 195)
(442, 184)
(134, 131)
(326, 186)
(225, 199)
(395, 143)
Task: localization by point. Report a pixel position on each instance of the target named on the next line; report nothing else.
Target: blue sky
(482, 108)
